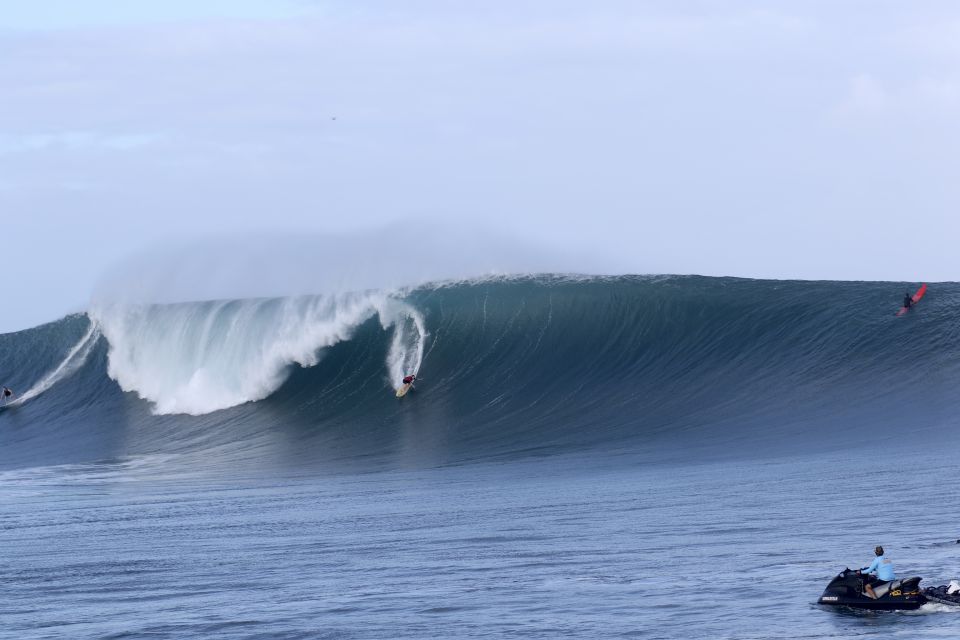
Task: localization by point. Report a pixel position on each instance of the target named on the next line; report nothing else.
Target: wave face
(663, 367)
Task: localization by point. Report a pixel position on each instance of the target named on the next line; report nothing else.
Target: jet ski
(944, 594)
(846, 590)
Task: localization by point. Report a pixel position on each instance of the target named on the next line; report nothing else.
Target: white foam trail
(73, 361)
(197, 358)
(406, 348)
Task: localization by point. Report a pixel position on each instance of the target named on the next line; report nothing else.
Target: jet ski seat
(883, 589)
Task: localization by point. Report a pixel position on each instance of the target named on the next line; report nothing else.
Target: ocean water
(667, 457)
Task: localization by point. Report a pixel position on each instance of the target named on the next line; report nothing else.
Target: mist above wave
(238, 266)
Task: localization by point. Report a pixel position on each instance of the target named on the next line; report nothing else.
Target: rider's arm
(873, 566)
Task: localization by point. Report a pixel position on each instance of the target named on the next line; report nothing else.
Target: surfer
(882, 569)
(407, 385)
(909, 302)
(7, 395)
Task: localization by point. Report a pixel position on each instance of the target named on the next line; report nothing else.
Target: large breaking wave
(201, 357)
(657, 367)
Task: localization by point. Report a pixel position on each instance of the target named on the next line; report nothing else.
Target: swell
(660, 367)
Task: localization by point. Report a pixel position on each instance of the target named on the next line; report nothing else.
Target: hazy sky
(789, 139)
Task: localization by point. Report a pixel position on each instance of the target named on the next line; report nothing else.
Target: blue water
(642, 458)
(542, 549)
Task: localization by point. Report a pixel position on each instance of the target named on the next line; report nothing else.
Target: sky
(801, 139)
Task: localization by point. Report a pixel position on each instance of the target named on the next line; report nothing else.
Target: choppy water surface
(592, 547)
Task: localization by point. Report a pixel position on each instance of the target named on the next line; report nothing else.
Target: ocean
(583, 457)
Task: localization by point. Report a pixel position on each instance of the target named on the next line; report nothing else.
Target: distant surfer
(910, 301)
(409, 379)
(7, 395)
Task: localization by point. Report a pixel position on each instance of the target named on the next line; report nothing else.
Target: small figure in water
(882, 570)
(907, 300)
(409, 379)
(7, 395)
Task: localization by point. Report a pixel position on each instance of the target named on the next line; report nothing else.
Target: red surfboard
(915, 298)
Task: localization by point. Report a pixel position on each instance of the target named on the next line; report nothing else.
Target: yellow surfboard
(402, 391)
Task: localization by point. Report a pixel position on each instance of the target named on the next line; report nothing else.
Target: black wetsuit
(907, 301)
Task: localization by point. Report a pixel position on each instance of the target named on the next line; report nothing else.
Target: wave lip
(197, 358)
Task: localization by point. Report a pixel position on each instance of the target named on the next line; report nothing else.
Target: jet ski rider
(882, 569)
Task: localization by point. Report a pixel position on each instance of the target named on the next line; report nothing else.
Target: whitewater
(202, 357)
(582, 457)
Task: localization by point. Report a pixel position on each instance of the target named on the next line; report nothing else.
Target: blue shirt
(883, 567)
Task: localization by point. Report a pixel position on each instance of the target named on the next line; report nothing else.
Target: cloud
(934, 39)
(868, 101)
(71, 15)
(866, 95)
(74, 141)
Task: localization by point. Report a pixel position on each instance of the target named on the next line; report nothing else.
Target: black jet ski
(846, 590)
(942, 595)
